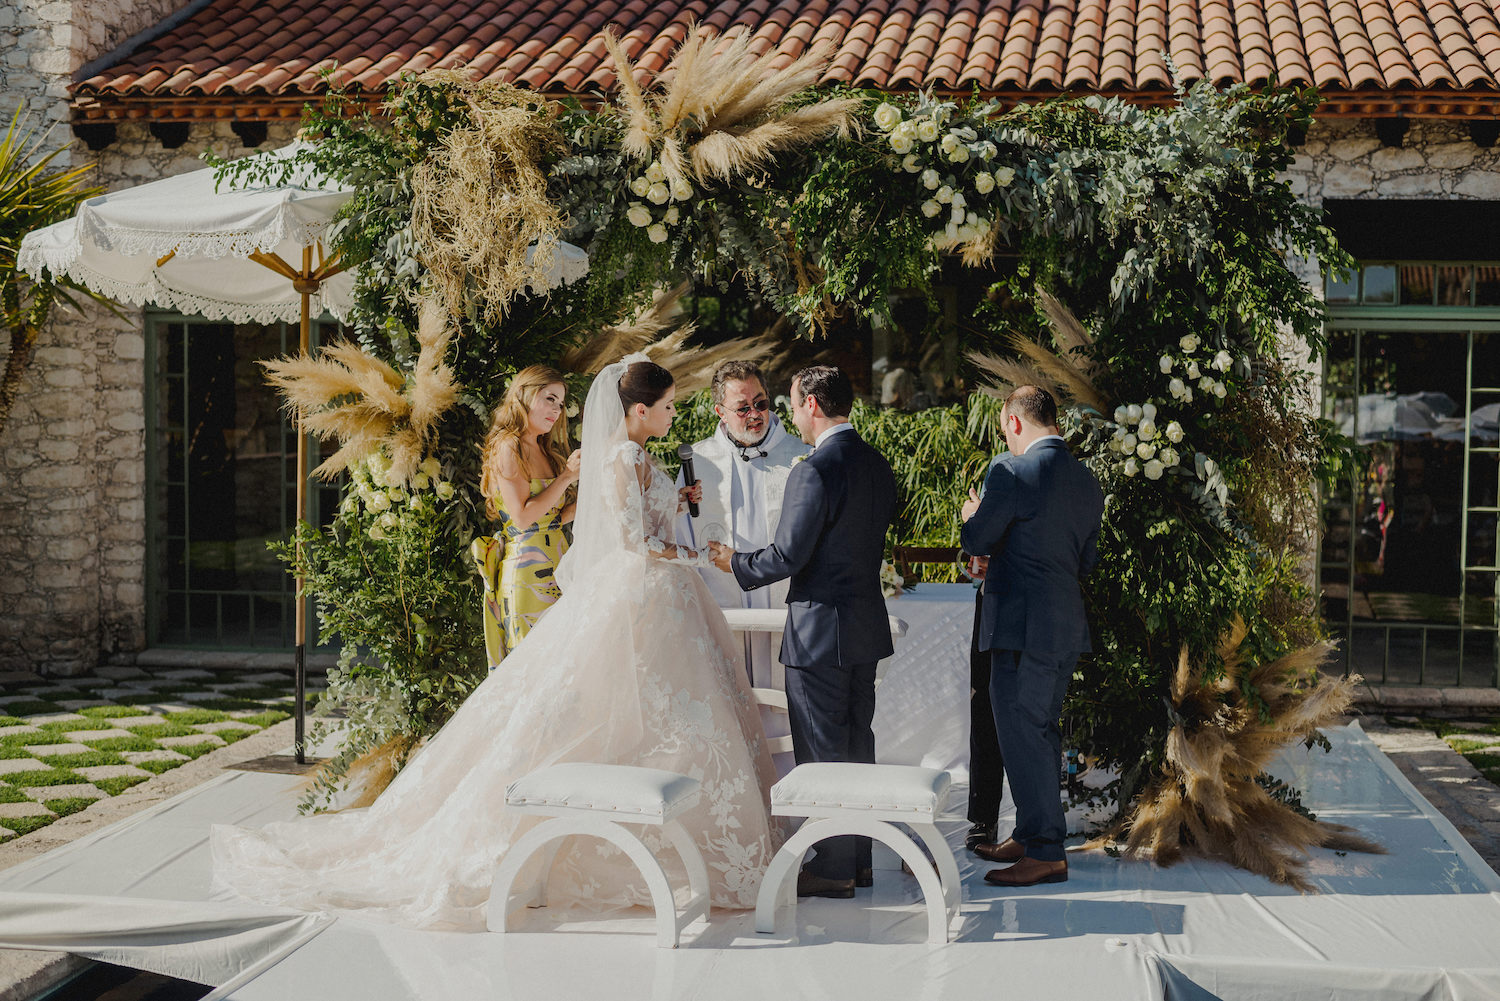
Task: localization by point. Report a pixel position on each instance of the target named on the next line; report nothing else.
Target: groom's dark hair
(1034, 405)
(830, 385)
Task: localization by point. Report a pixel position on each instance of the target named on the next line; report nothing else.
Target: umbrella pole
(300, 658)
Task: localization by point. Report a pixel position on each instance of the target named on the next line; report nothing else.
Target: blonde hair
(510, 422)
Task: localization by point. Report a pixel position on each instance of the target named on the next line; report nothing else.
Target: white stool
(596, 800)
(848, 798)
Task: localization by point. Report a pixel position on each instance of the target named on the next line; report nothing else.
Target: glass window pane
(1342, 287)
(1380, 285)
(1487, 285)
(1416, 285)
(1454, 284)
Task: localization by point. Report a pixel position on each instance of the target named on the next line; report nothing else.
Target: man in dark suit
(830, 542)
(1039, 524)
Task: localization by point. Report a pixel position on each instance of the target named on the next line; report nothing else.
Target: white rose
(1154, 469)
(975, 220)
(987, 150)
(638, 215)
(431, 466)
(931, 208)
(1222, 361)
(392, 478)
(681, 190)
(1004, 176)
(671, 216)
(958, 201)
(1145, 450)
(1188, 342)
(1114, 444)
(658, 193)
(901, 142)
(655, 174)
(1147, 430)
(379, 503)
(1192, 370)
(1176, 388)
(1206, 384)
(1166, 364)
(1133, 412)
(1131, 467)
(930, 179)
(949, 143)
(1128, 443)
(984, 182)
(1121, 414)
(1174, 432)
(1169, 456)
(944, 194)
(911, 164)
(444, 489)
(657, 233)
(376, 533)
(639, 187)
(957, 215)
(951, 232)
(959, 154)
(349, 505)
(927, 130)
(1219, 390)
(416, 503)
(887, 117)
(396, 496)
(389, 520)
(420, 481)
(1148, 411)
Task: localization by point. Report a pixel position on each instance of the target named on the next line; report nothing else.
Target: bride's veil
(604, 521)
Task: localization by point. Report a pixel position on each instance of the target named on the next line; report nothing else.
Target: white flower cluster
(384, 494)
(891, 582)
(654, 187)
(1141, 445)
(1187, 372)
(951, 161)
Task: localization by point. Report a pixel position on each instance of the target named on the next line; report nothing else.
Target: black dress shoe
(809, 885)
(864, 877)
(980, 834)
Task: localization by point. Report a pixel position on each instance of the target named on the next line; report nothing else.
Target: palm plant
(33, 194)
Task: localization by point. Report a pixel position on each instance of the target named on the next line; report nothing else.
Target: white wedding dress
(635, 664)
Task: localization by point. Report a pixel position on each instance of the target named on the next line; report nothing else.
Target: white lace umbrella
(253, 254)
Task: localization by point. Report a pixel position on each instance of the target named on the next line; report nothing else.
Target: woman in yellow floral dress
(526, 479)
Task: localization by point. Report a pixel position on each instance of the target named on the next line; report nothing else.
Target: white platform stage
(1420, 922)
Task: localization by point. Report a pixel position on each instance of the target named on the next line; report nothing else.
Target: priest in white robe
(743, 468)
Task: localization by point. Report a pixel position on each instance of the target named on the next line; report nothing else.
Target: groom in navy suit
(1039, 524)
(838, 504)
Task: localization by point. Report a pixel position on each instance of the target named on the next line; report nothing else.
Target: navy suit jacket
(830, 541)
(1039, 524)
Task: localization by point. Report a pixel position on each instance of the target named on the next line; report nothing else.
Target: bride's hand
(690, 495)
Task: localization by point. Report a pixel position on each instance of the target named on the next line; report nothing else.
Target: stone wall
(1344, 158)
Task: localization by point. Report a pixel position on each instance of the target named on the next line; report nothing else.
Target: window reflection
(1416, 285)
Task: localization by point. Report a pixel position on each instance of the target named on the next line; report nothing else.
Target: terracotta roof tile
(1368, 52)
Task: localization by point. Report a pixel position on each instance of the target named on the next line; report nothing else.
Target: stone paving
(66, 743)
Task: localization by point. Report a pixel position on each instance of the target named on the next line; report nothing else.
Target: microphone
(685, 453)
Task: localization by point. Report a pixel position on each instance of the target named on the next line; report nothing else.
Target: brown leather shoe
(1009, 850)
(1029, 872)
(809, 885)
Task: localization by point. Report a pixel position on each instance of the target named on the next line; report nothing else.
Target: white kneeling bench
(841, 798)
(597, 800)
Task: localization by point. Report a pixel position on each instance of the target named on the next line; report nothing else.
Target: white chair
(774, 699)
(596, 800)
(848, 798)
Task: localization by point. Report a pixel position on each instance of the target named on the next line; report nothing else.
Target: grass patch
(156, 731)
(13, 751)
(67, 695)
(139, 699)
(267, 718)
(119, 783)
(157, 767)
(123, 744)
(25, 825)
(1467, 745)
(13, 721)
(188, 717)
(71, 804)
(25, 739)
(108, 712)
(227, 704)
(56, 777)
(33, 707)
(196, 750)
(69, 725)
(10, 794)
(229, 736)
(86, 759)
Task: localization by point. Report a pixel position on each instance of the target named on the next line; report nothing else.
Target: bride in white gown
(633, 665)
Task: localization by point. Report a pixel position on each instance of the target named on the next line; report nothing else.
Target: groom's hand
(722, 556)
(971, 505)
